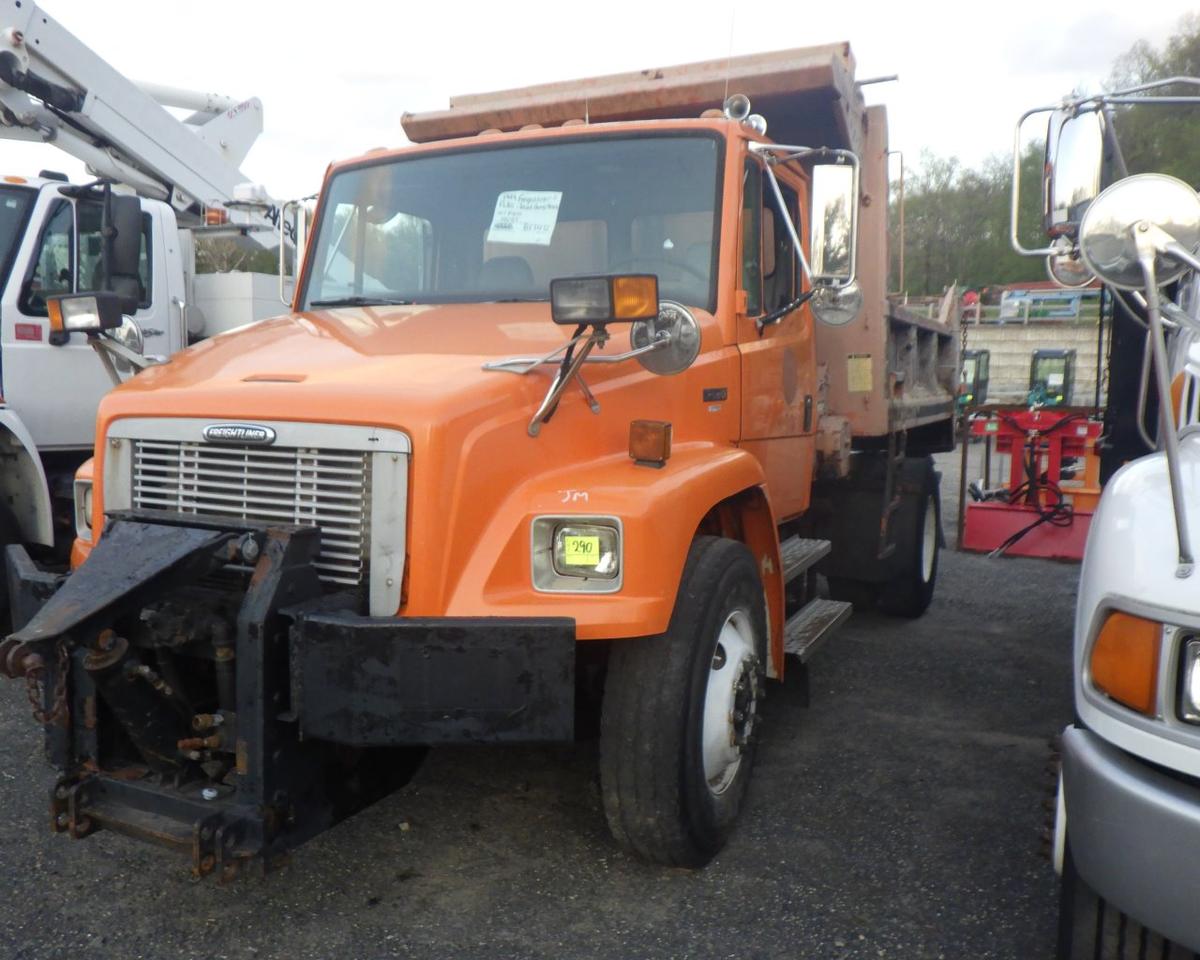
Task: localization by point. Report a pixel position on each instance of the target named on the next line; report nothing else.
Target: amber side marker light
(650, 442)
(1124, 660)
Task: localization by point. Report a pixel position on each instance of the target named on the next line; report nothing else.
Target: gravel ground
(897, 816)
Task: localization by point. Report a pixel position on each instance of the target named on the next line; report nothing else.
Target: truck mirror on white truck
(1074, 158)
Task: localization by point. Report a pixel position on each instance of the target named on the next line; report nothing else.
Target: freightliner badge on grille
(238, 433)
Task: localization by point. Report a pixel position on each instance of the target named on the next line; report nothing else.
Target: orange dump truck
(578, 394)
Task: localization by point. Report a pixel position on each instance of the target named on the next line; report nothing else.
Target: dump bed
(889, 369)
(807, 94)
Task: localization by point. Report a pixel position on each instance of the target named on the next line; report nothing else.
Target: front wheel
(681, 711)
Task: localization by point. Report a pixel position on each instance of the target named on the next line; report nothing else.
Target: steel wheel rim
(929, 540)
(730, 702)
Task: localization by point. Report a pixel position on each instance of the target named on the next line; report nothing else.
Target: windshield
(499, 224)
(15, 203)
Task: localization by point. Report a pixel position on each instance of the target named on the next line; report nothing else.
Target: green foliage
(1163, 139)
(225, 254)
(956, 224)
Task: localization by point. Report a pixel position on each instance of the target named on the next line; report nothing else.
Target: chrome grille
(312, 487)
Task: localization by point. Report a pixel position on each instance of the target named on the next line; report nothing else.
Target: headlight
(586, 550)
(1189, 681)
(83, 509)
(576, 554)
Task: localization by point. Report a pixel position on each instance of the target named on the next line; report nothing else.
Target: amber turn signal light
(1124, 660)
(650, 442)
(635, 297)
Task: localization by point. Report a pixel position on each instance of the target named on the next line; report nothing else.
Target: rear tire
(680, 713)
(1090, 928)
(919, 545)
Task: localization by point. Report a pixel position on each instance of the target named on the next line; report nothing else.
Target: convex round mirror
(837, 306)
(129, 335)
(1106, 235)
(678, 327)
(1066, 268)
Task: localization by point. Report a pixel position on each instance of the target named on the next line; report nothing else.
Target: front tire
(680, 713)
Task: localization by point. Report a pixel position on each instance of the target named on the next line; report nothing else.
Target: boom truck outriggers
(161, 182)
(553, 414)
(1126, 836)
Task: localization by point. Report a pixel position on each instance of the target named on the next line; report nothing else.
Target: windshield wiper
(358, 301)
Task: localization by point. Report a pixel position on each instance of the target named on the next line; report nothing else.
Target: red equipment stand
(1054, 514)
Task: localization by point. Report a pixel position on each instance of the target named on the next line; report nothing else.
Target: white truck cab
(172, 179)
(1126, 836)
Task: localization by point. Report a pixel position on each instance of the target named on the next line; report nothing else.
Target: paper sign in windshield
(525, 216)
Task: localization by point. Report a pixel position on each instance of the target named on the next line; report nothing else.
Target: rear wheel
(919, 544)
(680, 713)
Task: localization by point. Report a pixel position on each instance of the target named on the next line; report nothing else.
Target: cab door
(56, 389)
(777, 353)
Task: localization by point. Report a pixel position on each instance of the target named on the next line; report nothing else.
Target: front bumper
(303, 688)
(1134, 834)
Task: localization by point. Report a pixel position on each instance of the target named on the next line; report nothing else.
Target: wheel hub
(730, 702)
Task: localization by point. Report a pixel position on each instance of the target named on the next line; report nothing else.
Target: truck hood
(392, 365)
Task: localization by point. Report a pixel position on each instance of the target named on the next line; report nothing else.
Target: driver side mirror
(1074, 162)
(834, 223)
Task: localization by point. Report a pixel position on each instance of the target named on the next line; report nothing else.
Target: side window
(752, 237)
(779, 253)
(91, 258)
(145, 265)
(52, 271)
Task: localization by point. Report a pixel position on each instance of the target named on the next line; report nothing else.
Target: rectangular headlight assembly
(576, 554)
(1189, 680)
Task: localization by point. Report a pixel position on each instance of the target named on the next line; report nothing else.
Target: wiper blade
(361, 302)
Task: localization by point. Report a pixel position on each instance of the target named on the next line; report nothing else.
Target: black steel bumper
(367, 681)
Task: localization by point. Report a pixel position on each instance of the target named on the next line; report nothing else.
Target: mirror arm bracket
(565, 375)
(1147, 249)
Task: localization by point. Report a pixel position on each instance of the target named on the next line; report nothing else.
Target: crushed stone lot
(899, 815)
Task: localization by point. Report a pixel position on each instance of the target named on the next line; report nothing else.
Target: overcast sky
(335, 77)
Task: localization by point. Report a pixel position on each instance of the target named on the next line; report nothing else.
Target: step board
(798, 554)
(810, 626)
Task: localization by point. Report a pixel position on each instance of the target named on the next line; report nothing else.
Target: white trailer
(172, 180)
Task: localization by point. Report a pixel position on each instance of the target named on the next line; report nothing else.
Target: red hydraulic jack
(1039, 513)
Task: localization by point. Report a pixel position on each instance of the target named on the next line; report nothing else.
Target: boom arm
(54, 88)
